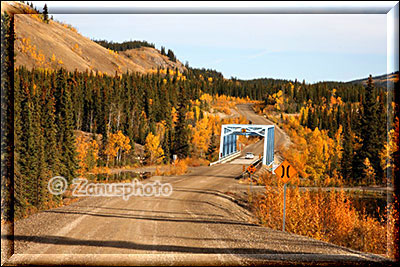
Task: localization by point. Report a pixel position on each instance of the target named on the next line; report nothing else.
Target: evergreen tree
(45, 14)
(29, 153)
(20, 189)
(181, 141)
(312, 122)
(65, 131)
(7, 116)
(166, 146)
(347, 152)
(52, 104)
(52, 154)
(382, 130)
(368, 132)
(212, 148)
(171, 55)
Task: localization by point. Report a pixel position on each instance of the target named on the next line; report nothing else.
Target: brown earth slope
(55, 44)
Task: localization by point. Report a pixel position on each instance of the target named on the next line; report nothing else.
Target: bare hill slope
(52, 45)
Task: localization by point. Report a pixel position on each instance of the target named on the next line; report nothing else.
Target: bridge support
(229, 133)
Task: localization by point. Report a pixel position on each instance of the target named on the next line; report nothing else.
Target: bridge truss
(230, 132)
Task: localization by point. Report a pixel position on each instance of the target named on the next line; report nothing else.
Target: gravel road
(198, 224)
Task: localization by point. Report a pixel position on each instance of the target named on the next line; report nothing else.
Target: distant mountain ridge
(380, 80)
(54, 44)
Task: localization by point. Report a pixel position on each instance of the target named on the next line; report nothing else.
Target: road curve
(282, 140)
(199, 223)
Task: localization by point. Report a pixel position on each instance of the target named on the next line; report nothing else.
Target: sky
(314, 47)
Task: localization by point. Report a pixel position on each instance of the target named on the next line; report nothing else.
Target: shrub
(327, 216)
(177, 168)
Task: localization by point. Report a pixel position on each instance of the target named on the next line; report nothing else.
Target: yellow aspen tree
(316, 165)
(389, 150)
(202, 134)
(369, 172)
(87, 154)
(117, 144)
(153, 151)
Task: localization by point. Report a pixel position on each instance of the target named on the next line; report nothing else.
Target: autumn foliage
(154, 152)
(179, 167)
(87, 154)
(313, 153)
(327, 216)
(117, 145)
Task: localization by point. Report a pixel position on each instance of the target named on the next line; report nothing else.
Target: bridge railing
(227, 158)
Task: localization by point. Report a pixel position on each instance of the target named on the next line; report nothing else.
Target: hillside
(55, 44)
(380, 80)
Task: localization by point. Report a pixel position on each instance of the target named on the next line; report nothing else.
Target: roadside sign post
(251, 169)
(285, 171)
(284, 207)
(251, 182)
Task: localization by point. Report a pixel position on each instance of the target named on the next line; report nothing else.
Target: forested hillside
(339, 133)
(49, 106)
(169, 112)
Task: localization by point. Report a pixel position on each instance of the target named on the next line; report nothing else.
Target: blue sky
(313, 47)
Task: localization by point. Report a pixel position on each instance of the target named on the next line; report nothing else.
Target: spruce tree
(65, 127)
(45, 14)
(382, 130)
(212, 147)
(171, 55)
(181, 140)
(368, 132)
(52, 154)
(30, 145)
(7, 116)
(347, 152)
(166, 145)
(20, 189)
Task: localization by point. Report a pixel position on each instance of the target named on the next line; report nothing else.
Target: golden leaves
(87, 154)
(38, 56)
(154, 152)
(201, 134)
(327, 216)
(117, 144)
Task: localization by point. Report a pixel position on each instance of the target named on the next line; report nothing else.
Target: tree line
(364, 128)
(116, 46)
(49, 106)
(358, 111)
(170, 54)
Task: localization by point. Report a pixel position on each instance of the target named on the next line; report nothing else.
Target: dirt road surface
(198, 224)
(282, 140)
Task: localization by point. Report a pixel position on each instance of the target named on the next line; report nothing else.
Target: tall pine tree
(181, 140)
(369, 125)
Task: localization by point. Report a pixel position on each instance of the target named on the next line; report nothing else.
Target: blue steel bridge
(229, 136)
